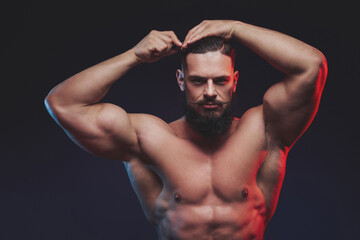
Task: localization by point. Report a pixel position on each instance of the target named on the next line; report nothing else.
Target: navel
(177, 197)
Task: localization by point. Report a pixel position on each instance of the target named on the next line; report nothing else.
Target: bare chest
(187, 177)
(191, 175)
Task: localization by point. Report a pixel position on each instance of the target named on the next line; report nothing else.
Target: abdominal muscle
(188, 192)
(211, 219)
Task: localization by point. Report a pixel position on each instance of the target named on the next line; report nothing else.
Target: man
(206, 175)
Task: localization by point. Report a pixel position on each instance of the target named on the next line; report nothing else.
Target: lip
(210, 106)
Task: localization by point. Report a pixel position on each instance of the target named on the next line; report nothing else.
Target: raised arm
(105, 129)
(290, 105)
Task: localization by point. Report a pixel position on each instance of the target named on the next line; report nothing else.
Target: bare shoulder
(145, 124)
(254, 113)
(251, 126)
(153, 134)
(253, 118)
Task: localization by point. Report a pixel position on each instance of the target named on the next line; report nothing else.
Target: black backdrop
(52, 189)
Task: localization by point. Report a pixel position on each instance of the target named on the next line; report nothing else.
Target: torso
(189, 190)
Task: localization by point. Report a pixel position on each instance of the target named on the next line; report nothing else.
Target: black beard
(210, 125)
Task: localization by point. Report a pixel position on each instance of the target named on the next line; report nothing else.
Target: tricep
(290, 105)
(102, 129)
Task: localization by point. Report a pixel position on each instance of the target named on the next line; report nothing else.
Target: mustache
(205, 102)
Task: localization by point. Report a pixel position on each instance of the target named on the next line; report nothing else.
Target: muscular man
(207, 175)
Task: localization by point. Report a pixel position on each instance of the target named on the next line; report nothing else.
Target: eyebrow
(200, 77)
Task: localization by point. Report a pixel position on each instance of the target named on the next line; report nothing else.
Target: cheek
(189, 96)
(226, 92)
(193, 93)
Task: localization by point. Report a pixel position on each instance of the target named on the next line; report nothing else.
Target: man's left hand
(221, 28)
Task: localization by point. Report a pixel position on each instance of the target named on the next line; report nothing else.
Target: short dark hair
(208, 44)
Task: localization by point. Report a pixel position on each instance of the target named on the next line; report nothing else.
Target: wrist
(236, 29)
(133, 58)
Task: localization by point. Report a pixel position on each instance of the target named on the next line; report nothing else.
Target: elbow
(322, 71)
(56, 111)
(52, 106)
(50, 103)
(320, 64)
(312, 79)
(50, 109)
(317, 71)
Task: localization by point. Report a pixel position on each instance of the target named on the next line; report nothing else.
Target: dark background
(52, 189)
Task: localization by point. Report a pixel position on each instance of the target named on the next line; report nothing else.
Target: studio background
(52, 189)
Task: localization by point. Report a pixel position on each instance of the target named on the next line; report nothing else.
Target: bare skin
(191, 186)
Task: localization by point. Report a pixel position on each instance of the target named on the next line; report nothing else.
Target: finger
(174, 39)
(194, 29)
(168, 46)
(191, 32)
(198, 34)
(158, 46)
(174, 49)
(166, 39)
(173, 43)
(166, 43)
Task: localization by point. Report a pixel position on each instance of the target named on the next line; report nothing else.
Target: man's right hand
(157, 45)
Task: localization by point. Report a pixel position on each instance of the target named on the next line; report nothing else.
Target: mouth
(210, 105)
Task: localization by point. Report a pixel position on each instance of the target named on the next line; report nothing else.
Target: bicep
(102, 129)
(290, 105)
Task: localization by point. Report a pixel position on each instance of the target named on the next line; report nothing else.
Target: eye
(221, 81)
(197, 81)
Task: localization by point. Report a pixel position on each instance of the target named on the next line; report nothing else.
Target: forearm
(287, 54)
(91, 85)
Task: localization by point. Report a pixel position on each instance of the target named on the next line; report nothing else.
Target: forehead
(209, 64)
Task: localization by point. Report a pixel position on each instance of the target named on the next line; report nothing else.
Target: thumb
(174, 49)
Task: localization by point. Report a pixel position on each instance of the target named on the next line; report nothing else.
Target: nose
(210, 90)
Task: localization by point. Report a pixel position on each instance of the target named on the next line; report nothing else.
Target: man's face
(209, 82)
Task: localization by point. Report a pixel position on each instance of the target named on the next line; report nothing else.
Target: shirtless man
(202, 176)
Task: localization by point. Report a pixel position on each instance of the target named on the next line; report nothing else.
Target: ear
(180, 79)
(236, 77)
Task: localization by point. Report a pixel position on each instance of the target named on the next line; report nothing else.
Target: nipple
(177, 197)
(244, 192)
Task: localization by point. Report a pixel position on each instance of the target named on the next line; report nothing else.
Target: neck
(205, 142)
